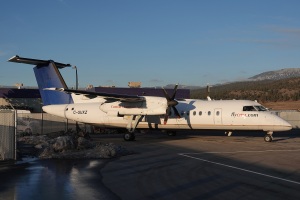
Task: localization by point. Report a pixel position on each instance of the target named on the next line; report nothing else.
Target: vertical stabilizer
(48, 76)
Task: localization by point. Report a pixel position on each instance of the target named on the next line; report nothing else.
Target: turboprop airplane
(147, 112)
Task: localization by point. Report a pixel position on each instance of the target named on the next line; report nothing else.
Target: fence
(14, 124)
(7, 135)
(41, 123)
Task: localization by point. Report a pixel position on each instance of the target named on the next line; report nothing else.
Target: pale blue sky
(157, 42)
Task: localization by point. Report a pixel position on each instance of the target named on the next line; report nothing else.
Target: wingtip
(13, 58)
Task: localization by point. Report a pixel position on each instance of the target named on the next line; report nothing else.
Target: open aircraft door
(218, 116)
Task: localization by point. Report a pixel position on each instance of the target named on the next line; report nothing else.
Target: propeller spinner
(171, 102)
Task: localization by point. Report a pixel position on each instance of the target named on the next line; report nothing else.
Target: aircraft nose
(285, 126)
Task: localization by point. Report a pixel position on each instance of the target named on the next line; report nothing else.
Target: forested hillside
(262, 91)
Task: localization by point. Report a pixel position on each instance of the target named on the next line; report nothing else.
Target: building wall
(32, 104)
(21, 99)
(291, 116)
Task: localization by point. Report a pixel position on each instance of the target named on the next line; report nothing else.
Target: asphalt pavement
(191, 165)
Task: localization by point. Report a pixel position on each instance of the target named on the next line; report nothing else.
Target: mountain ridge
(277, 74)
(282, 90)
(268, 75)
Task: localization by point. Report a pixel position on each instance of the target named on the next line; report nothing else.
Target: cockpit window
(260, 108)
(249, 108)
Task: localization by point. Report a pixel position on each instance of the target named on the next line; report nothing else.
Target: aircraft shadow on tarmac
(183, 134)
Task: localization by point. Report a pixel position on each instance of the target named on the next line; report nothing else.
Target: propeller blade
(167, 115)
(176, 112)
(166, 119)
(175, 91)
(171, 103)
(166, 95)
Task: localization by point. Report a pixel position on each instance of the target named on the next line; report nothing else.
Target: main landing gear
(268, 137)
(132, 124)
(129, 136)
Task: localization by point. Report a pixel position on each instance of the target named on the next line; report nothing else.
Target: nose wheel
(268, 137)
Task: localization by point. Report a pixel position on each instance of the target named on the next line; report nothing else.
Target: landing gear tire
(268, 138)
(129, 136)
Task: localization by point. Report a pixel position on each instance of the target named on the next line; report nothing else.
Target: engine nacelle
(151, 106)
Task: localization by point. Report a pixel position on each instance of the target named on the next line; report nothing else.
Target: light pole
(74, 67)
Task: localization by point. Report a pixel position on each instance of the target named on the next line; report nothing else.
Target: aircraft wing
(107, 96)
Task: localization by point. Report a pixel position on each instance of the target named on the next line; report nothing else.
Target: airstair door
(218, 116)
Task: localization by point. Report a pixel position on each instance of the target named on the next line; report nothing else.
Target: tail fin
(48, 76)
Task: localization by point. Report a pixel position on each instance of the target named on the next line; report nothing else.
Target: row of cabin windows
(245, 108)
(195, 113)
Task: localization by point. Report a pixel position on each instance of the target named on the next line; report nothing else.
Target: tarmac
(191, 165)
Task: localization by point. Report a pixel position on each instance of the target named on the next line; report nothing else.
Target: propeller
(171, 102)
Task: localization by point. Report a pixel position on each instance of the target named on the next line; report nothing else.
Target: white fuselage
(195, 114)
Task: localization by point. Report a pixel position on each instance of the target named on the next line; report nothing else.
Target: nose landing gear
(268, 137)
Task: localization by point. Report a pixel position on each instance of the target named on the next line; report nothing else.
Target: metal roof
(19, 93)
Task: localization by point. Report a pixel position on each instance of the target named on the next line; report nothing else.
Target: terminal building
(20, 99)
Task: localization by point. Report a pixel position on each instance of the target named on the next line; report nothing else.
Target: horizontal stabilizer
(18, 59)
(107, 96)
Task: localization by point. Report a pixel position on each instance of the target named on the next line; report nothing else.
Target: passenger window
(194, 113)
(209, 113)
(200, 113)
(218, 113)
